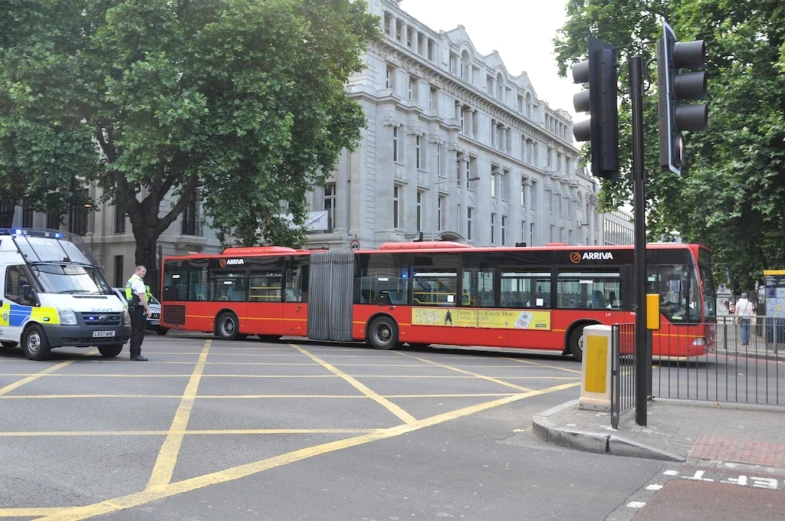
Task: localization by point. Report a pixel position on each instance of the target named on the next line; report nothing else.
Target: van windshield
(71, 278)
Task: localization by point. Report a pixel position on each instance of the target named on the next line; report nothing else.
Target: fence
(622, 371)
(744, 367)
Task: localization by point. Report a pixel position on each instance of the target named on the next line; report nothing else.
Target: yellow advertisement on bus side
(490, 318)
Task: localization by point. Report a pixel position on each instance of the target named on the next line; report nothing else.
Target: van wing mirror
(28, 293)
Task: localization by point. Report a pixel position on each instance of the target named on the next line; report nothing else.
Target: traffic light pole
(639, 183)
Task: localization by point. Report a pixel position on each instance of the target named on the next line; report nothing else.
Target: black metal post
(639, 181)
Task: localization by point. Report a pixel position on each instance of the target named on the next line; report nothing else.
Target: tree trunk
(145, 255)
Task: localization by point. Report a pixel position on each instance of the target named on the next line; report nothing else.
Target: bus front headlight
(67, 317)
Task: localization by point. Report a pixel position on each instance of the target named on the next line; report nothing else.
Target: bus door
(264, 315)
(295, 305)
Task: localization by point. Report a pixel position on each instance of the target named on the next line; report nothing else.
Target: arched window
(465, 65)
(499, 86)
(528, 104)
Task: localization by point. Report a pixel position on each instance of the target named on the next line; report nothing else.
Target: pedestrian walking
(136, 295)
(744, 312)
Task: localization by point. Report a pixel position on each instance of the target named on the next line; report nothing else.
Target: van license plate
(103, 333)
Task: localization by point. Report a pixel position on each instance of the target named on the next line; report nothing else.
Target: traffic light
(599, 100)
(675, 88)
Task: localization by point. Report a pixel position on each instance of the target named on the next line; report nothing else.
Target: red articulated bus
(424, 293)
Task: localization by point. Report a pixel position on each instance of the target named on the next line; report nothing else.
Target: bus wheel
(111, 350)
(576, 343)
(227, 326)
(383, 333)
(35, 344)
(8, 343)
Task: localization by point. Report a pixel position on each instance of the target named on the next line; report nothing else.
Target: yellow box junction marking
(596, 354)
(248, 469)
(31, 378)
(167, 457)
(475, 375)
(384, 402)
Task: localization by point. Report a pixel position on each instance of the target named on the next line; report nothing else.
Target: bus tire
(227, 326)
(111, 350)
(576, 343)
(9, 343)
(383, 333)
(34, 343)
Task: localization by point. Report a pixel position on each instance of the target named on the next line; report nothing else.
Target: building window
(531, 234)
(504, 230)
(493, 228)
(409, 36)
(469, 223)
(397, 210)
(442, 204)
(119, 218)
(493, 182)
(27, 215)
(395, 144)
(388, 80)
(118, 271)
(398, 30)
(412, 89)
(523, 232)
(418, 151)
(53, 221)
(419, 210)
(329, 205)
(462, 115)
(190, 222)
(471, 167)
(433, 98)
(505, 189)
(388, 20)
(438, 160)
(523, 191)
(494, 133)
(79, 212)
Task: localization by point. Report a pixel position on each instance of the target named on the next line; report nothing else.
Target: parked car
(154, 318)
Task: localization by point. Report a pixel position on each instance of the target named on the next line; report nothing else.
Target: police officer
(136, 295)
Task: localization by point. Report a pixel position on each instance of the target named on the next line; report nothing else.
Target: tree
(238, 102)
(731, 194)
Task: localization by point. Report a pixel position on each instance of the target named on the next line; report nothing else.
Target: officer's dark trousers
(138, 326)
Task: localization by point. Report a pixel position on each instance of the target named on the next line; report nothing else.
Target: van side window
(17, 285)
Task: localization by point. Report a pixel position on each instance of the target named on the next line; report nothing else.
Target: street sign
(354, 245)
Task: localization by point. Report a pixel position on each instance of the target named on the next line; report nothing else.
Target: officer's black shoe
(138, 358)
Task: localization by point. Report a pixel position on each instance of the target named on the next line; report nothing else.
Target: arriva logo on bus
(576, 257)
(231, 262)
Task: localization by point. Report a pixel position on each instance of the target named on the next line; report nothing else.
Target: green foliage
(239, 102)
(731, 195)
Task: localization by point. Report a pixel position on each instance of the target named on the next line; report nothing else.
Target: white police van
(51, 295)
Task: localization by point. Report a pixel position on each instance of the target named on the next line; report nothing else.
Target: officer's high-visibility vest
(129, 294)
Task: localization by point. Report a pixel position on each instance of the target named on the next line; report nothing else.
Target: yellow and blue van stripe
(16, 315)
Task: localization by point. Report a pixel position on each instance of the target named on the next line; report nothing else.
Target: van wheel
(8, 343)
(227, 326)
(576, 343)
(34, 343)
(162, 330)
(383, 333)
(111, 350)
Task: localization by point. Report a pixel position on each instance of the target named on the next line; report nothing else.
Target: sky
(521, 30)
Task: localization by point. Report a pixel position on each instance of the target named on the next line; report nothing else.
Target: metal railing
(741, 366)
(622, 371)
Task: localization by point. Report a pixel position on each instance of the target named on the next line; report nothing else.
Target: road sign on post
(674, 90)
(354, 245)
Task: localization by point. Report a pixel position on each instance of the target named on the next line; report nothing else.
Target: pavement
(704, 434)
